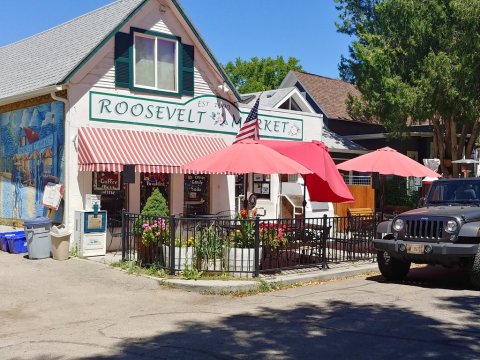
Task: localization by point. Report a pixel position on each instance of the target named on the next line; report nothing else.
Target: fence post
(172, 245)
(324, 243)
(257, 246)
(124, 236)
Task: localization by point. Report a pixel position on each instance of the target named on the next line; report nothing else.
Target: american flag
(250, 129)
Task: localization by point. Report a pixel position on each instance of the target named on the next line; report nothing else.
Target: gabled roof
(329, 94)
(47, 58)
(337, 143)
(50, 57)
(275, 98)
(268, 98)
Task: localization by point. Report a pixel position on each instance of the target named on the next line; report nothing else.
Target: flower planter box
(145, 253)
(241, 260)
(211, 265)
(183, 256)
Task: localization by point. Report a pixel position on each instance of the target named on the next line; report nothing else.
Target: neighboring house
(328, 97)
(290, 98)
(132, 83)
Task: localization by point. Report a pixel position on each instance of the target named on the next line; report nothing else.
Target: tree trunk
(461, 143)
(453, 145)
(439, 144)
(472, 139)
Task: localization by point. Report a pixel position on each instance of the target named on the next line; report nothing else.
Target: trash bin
(39, 243)
(16, 243)
(4, 238)
(60, 242)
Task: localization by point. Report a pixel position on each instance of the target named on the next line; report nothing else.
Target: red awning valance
(101, 149)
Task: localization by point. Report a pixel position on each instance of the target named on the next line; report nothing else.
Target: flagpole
(249, 130)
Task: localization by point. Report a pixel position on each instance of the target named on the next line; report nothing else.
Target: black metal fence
(221, 244)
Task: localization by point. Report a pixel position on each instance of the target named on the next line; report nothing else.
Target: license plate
(415, 248)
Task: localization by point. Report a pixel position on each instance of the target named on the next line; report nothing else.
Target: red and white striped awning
(101, 149)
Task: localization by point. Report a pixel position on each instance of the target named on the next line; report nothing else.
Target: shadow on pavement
(338, 330)
(431, 277)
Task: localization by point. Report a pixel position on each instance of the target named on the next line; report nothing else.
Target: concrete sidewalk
(289, 277)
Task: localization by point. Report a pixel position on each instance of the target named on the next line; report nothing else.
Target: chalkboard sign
(106, 182)
(196, 194)
(150, 182)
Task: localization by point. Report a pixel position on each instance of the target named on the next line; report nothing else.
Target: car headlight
(451, 226)
(398, 224)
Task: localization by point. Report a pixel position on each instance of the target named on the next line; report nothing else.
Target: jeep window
(454, 192)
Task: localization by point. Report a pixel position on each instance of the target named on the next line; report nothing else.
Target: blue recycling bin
(17, 243)
(37, 232)
(4, 239)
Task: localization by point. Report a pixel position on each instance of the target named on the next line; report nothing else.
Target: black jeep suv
(446, 231)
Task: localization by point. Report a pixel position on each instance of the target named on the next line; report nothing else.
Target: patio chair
(360, 227)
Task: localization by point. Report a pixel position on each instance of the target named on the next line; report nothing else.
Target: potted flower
(240, 254)
(273, 237)
(184, 253)
(209, 245)
(149, 230)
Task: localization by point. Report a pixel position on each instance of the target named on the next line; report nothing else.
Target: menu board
(106, 182)
(52, 195)
(196, 193)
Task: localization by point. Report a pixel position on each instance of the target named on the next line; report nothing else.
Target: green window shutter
(187, 69)
(123, 43)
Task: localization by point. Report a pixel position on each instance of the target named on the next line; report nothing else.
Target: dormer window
(155, 65)
(152, 62)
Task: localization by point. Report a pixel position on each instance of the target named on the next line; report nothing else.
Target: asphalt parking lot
(79, 309)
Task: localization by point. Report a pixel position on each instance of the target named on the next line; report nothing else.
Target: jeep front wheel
(475, 271)
(392, 269)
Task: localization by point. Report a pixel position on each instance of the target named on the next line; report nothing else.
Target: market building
(113, 103)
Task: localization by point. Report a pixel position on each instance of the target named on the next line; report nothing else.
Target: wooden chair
(360, 226)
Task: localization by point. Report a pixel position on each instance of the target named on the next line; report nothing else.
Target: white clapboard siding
(201, 85)
(161, 27)
(103, 74)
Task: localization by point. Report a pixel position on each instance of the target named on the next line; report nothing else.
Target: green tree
(260, 74)
(416, 61)
(156, 205)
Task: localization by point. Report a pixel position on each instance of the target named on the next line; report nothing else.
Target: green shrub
(156, 205)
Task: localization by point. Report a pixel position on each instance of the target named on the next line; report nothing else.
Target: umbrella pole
(304, 205)
(245, 192)
(304, 194)
(382, 194)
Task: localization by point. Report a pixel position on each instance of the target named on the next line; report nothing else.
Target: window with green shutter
(149, 61)
(187, 69)
(122, 59)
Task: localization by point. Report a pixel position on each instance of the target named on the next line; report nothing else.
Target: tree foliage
(260, 74)
(156, 205)
(416, 62)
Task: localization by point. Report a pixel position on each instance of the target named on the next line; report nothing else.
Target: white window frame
(156, 88)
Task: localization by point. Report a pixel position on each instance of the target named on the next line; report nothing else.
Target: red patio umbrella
(387, 161)
(325, 184)
(247, 156)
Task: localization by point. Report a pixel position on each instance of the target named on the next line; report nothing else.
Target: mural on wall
(31, 155)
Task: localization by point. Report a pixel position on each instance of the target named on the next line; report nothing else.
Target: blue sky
(232, 28)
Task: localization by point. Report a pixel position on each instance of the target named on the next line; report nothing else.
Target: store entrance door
(111, 188)
(151, 181)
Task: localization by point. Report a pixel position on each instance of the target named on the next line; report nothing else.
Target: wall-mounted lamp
(224, 87)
